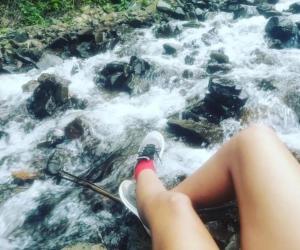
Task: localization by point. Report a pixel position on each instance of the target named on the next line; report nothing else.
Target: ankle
(142, 165)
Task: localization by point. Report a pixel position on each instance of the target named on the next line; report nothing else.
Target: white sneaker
(151, 148)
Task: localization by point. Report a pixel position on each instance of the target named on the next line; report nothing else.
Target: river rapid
(51, 215)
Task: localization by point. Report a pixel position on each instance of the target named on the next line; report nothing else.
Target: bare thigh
(257, 169)
(267, 184)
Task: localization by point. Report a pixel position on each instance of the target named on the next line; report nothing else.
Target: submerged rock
(53, 138)
(170, 49)
(51, 93)
(294, 8)
(244, 11)
(267, 10)
(75, 129)
(115, 76)
(219, 62)
(118, 75)
(166, 30)
(281, 32)
(201, 131)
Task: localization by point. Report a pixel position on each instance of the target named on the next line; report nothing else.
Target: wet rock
(169, 49)
(3, 134)
(200, 14)
(76, 103)
(219, 62)
(166, 30)
(171, 10)
(19, 36)
(187, 74)
(118, 75)
(244, 11)
(75, 129)
(266, 85)
(267, 10)
(115, 76)
(281, 32)
(139, 65)
(292, 99)
(219, 56)
(223, 101)
(189, 60)
(48, 60)
(85, 246)
(51, 93)
(53, 138)
(294, 8)
(30, 86)
(198, 132)
(22, 177)
(86, 49)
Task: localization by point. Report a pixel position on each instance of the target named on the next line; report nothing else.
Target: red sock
(142, 165)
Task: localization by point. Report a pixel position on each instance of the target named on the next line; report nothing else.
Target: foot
(150, 151)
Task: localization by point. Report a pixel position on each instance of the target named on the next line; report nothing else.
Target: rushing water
(115, 118)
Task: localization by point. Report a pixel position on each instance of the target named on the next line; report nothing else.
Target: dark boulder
(139, 65)
(189, 60)
(75, 129)
(118, 75)
(53, 138)
(294, 8)
(166, 30)
(51, 93)
(173, 11)
(115, 76)
(223, 101)
(198, 132)
(219, 62)
(281, 32)
(266, 85)
(267, 10)
(187, 74)
(3, 134)
(169, 49)
(244, 11)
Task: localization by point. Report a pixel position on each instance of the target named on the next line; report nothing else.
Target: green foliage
(38, 11)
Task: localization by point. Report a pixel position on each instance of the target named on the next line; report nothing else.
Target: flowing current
(51, 215)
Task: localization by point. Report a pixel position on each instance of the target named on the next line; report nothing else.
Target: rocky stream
(82, 99)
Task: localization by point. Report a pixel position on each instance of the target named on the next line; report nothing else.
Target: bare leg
(173, 222)
(257, 169)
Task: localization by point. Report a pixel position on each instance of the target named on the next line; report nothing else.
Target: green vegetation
(31, 12)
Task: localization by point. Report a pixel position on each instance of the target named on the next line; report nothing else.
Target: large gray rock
(281, 32)
(294, 8)
(218, 62)
(223, 101)
(201, 131)
(117, 76)
(172, 10)
(51, 93)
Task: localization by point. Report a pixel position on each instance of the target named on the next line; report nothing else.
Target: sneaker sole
(124, 186)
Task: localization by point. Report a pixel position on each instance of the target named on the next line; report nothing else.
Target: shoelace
(148, 152)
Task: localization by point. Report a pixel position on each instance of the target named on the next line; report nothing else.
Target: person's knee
(254, 135)
(175, 202)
